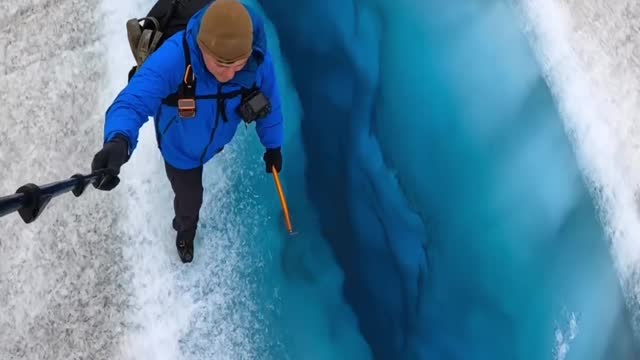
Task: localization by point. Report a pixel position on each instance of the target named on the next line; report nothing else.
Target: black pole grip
(35, 202)
(30, 200)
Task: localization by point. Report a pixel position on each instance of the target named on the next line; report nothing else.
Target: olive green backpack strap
(143, 41)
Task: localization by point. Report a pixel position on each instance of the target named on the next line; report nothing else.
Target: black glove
(273, 157)
(112, 156)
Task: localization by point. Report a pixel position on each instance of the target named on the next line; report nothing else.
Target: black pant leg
(187, 188)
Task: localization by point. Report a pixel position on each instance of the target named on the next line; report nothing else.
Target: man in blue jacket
(198, 86)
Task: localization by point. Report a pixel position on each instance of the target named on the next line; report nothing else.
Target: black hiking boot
(184, 244)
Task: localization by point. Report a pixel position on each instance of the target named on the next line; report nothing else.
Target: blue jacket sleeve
(270, 129)
(159, 76)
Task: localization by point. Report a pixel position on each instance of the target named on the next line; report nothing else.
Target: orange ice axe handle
(283, 200)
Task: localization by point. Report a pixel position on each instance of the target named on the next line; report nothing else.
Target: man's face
(223, 72)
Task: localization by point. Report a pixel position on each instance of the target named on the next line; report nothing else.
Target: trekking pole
(283, 200)
(30, 200)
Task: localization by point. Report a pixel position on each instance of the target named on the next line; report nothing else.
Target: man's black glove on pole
(112, 156)
(273, 157)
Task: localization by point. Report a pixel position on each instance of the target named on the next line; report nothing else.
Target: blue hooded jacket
(189, 143)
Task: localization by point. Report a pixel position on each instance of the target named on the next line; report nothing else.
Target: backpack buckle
(187, 108)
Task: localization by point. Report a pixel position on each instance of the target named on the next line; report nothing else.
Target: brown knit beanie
(226, 31)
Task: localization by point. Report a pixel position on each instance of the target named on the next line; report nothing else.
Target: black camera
(254, 106)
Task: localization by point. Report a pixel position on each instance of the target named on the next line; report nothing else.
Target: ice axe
(283, 201)
(295, 258)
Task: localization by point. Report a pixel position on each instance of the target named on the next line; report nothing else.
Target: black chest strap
(187, 88)
(185, 98)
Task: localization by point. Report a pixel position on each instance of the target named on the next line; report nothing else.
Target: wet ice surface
(98, 276)
(591, 52)
(61, 293)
